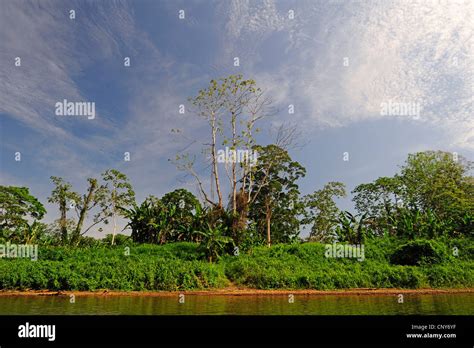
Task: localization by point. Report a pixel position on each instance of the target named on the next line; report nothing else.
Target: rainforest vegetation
(246, 228)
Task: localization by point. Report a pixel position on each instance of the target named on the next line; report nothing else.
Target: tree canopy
(17, 206)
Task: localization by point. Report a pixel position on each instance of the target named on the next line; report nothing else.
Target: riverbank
(239, 292)
(181, 267)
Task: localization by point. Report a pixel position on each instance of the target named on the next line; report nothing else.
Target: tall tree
(379, 200)
(231, 106)
(17, 209)
(185, 207)
(119, 193)
(322, 212)
(438, 181)
(66, 198)
(432, 186)
(94, 197)
(277, 202)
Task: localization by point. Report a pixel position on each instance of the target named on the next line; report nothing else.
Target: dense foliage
(184, 266)
(303, 266)
(170, 267)
(276, 209)
(418, 252)
(17, 208)
(417, 226)
(432, 195)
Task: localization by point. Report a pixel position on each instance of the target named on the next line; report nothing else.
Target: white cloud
(398, 50)
(405, 51)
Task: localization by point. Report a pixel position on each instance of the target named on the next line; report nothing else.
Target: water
(447, 304)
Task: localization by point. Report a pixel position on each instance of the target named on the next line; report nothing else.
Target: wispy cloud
(405, 51)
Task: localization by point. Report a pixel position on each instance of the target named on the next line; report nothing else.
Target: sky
(337, 62)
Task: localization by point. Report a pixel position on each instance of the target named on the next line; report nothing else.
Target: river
(424, 304)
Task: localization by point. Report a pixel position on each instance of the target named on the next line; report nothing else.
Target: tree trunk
(234, 165)
(214, 161)
(83, 213)
(63, 220)
(115, 229)
(114, 195)
(268, 217)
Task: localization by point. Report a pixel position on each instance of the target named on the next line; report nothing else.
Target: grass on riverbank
(181, 266)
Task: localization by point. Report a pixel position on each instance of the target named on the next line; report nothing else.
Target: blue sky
(400, 51)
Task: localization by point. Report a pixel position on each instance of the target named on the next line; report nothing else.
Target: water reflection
(449, 304)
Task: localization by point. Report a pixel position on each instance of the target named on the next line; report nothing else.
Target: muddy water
(425, 304)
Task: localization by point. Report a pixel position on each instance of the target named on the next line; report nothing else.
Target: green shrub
(420, 251)
(119, 240)
(305, 267)
(182, 266)
(380, 248)
(148, 267)
(463, 246)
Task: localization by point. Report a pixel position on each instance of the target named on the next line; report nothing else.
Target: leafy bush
(86, 241)
(420, 251)
(214, 243)
(461, 248)
(305, 267)
(119, 240)
(381, 248)
(183, 266)
(148, 267)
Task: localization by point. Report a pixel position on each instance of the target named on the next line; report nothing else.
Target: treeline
(182, 266)
(431, 196)
(416, 227)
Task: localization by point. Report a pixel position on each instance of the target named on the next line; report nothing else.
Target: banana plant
(33, 232)
(351, 228)
(27, 233)
(145, 222)
(214, 242)
(412, 223)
